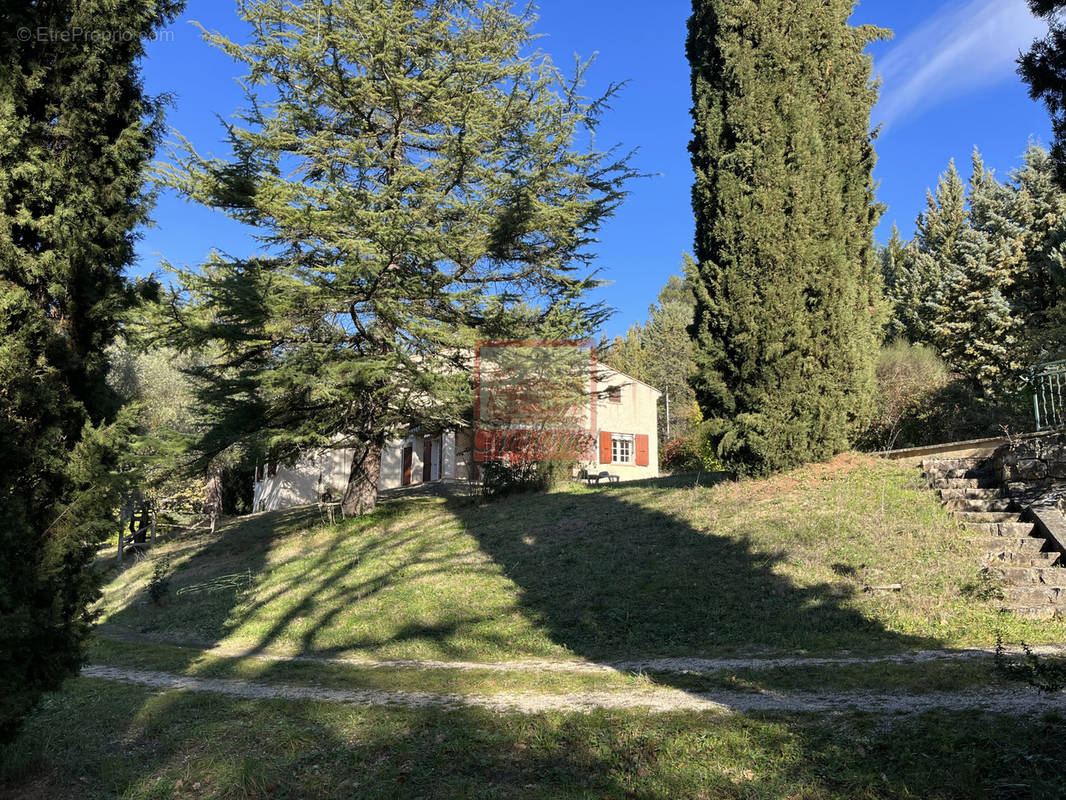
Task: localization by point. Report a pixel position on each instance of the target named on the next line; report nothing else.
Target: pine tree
(788, 297)
(1039, 299)
(76, 132)
(973, 325)
(922, 263)
(1044, 69)
(413, 170)
(659, 351)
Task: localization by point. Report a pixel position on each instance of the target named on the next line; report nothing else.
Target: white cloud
(963, 48)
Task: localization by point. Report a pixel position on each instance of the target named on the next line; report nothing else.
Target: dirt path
(656, 700)
(688, 665)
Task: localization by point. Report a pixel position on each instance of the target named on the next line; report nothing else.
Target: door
(427, 460)
(408, 454)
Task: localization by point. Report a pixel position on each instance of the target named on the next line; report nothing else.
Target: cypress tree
(414, 170)
(76, 132)
(788, 309)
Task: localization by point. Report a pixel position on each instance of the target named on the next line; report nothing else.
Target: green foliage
(983, 280)
(788, 297)
(503, 478)
(973, 324)
(659, 352)
(76, 131)
(692, 452)
(908, 379)
(159, 584)
(1045, 674)
(1044, 69)
(915, 271)
(419, 178)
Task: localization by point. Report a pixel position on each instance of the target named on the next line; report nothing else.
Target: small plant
(985, 586)
(1043, 674)
(159, 585)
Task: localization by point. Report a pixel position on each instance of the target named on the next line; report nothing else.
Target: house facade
(621, 419)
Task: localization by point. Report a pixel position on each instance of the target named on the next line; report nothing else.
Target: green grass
(143, 745)
(353, 676)
(874, 677)
(656, 569)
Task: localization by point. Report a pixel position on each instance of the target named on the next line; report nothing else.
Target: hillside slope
(662, 568)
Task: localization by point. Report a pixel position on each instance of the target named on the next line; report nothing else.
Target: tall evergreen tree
(76, 131)
(1044, 69)
(890, 257)
(659, 351)
(922, 263)
(1039, 213)
(788, 312)
(973, 324)
(413, 170)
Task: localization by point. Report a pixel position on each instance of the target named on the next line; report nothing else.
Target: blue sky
(949, 83)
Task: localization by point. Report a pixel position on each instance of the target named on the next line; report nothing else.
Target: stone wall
(1033, 469)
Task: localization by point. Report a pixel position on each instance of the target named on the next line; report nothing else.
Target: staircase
(1013, 549)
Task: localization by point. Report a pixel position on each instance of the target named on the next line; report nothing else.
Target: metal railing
(1049, 395)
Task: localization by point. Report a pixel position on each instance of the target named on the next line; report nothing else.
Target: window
(614, 394)
(621, 448)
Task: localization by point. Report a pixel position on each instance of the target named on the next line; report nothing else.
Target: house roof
(631, 378)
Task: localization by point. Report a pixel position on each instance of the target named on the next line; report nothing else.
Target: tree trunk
(361, 495)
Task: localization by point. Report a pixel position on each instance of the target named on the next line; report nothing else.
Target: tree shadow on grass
(204, 589)
(264, 588)
(612, 579)
(184, 744)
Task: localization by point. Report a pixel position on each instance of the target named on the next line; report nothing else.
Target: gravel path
(656, 700)
(690, 665)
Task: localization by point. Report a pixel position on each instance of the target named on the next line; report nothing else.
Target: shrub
(159, 585)
(908, 378)
(502, 478)
(694, 452)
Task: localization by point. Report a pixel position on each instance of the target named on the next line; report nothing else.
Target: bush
(908, 378)
(159, 585)
(920, 402)
(502, 478)
(694, 452)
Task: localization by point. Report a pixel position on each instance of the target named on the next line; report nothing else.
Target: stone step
(1034, 612)
(986, 516)
(954, 463)
(958, 472)
(989, 482)
(978, 504)
(1009, 544)
(970, 493)
(1040, 576)
(1038, 595)
(1016, 559)
(1000, 528)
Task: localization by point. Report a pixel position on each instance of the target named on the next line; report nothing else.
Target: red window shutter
(605, 447)
(482, 444)
(642, 449)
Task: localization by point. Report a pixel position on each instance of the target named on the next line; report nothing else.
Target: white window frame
(623, 448)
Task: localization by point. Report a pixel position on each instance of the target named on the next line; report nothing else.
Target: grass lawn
(142, 745)
(665, 568)
(668, 568)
